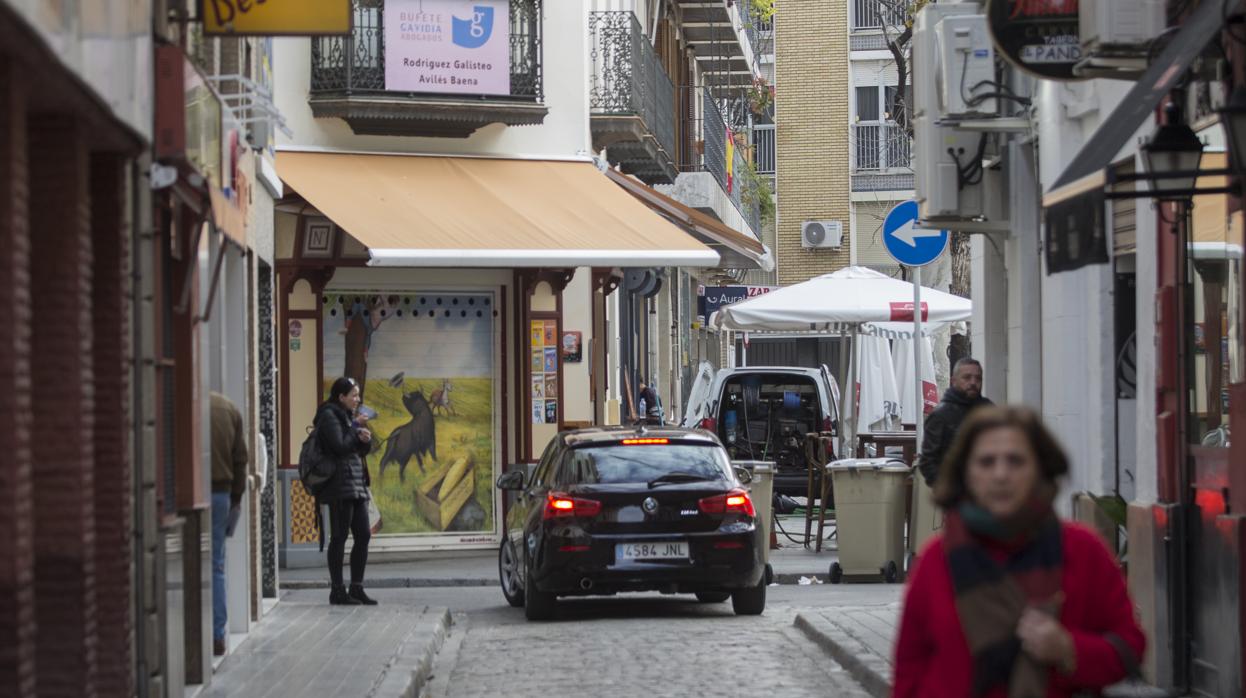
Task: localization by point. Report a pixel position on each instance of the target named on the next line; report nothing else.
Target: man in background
(944, 421)
(229, 481)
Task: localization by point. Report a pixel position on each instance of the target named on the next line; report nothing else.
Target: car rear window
(624, 464)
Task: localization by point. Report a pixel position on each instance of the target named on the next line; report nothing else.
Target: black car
(611, 510)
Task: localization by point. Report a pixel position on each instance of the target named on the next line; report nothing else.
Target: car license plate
(661, 550)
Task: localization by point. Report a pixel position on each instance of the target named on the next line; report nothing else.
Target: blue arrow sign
(908, 244)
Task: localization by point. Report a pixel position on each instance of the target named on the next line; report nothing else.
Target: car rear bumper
(709, 568)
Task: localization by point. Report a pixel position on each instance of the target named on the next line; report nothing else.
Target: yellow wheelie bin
(870, 506)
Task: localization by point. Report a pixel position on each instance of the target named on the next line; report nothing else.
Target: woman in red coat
(1009, 602)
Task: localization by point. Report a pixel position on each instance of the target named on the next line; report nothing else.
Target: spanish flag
(730, 159)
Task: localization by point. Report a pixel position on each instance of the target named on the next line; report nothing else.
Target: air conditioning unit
(927, 97)
(938, 145)
(1120, 26)
(942, 154)
(965, 67)
(819, 234)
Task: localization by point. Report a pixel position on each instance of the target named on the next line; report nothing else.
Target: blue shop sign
(711, 298)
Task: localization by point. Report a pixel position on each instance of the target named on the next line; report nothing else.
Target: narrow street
(639, 645)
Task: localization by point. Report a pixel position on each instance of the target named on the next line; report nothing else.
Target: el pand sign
(447, 46)
(712, 298)
(275, 17)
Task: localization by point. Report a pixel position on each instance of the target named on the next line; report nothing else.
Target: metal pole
(918, 346)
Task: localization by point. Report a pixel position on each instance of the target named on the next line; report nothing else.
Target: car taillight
(709, 424)
(827, 424)
(558, 506)
(734, 502)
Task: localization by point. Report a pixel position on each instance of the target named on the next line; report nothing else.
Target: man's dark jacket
(941, 427)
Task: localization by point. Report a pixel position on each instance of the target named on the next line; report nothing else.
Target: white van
(762, 413)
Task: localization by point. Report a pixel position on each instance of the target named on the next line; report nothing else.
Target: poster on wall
(572, 347)
(425, 365)
(544, 337)
(447, 46)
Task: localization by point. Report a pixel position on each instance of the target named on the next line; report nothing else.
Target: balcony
(348, 82)
(882, 157)
(717, 30)
(871, 15)
(705, 181)
(763, 149)
(631, 99)
(878, 147)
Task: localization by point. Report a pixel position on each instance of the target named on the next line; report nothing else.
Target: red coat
(932, 656)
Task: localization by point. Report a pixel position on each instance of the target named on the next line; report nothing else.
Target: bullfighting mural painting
(425, 363)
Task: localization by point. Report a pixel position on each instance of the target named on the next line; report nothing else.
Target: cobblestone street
(640, 645)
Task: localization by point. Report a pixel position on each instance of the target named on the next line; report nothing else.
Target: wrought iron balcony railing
(703, 135)
(871, 14)
(627, 79)
(880, 147)
(763, 148)
(346, 68)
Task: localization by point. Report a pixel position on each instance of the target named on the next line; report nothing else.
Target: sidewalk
(307, 648)
(861, 640)
(789, 563)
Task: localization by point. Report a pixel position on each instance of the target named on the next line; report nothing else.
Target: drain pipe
(142, 231)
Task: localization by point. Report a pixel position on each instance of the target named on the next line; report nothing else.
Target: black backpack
(315, 468)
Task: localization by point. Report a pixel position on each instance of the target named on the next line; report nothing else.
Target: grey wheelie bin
(871, 496)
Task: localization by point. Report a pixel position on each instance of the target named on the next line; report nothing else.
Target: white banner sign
(447, 46)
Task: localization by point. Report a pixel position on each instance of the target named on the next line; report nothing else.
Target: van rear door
(832, 391)
(699, 401)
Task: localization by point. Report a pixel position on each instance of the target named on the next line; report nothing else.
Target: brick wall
(17, 609)
(113, 479)
(63, 408)
(812, 143)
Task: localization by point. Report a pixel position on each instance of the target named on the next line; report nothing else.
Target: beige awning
(738, 250)
(432, 211)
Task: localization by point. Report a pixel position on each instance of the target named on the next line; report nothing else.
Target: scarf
(990, 596)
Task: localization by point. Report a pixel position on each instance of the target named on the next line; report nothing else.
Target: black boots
(356, 593)
(339, 597)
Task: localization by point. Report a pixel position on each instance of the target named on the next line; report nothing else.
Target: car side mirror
(512, 481)
(744, 475)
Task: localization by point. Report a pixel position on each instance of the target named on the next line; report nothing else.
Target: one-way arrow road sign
(908, 244)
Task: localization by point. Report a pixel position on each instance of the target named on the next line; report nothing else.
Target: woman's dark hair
(341, 386)
(950, 489)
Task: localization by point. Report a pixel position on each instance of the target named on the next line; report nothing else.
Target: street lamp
(1172, 157)
(1233, 120)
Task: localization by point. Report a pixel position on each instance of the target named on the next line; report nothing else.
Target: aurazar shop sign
(275, 17)
(1038, 36)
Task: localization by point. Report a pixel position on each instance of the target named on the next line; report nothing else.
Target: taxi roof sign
(275, 17)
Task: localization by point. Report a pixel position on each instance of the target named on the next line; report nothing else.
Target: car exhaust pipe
(586, 584)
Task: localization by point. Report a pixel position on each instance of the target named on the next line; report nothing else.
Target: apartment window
(868, 106)
(891, 106)
(878, 142)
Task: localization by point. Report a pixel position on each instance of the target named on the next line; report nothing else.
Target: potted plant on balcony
(760, 96)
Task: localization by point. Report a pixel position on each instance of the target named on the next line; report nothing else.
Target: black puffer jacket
(338, 440)
(940, 430)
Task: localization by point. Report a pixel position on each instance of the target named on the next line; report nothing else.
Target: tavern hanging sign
(1041, 37)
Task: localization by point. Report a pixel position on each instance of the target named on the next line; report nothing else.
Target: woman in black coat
(344, 438)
